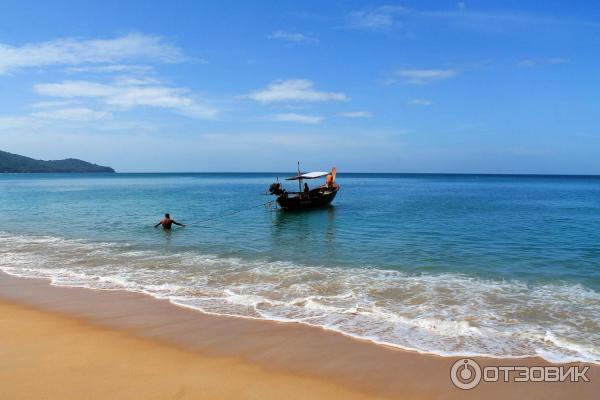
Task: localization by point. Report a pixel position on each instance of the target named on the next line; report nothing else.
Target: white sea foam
(445, 314)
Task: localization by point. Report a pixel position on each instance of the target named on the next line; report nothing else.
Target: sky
(409, 86)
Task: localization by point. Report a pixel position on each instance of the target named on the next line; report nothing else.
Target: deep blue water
(540, 234)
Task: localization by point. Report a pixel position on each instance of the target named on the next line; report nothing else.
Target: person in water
(166, 222)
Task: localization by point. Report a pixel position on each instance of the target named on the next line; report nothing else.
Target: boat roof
(308, 175)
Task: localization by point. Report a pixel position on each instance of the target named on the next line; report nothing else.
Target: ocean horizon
(290, 173)
(495, 265)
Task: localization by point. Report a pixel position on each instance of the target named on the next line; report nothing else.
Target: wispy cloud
(532, 62)
(94, 51)
(419, 102)
(121, 68)
(293, 37)
(72, 114)
(293, 117)
(386, 17)
(53, 104)
(294, 90)
(8, 123)
(128, 93)
(379, 18)
(486, 20)
(356, 114)
(422, 76)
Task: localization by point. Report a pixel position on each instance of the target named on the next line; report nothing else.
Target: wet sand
(62, 343)
(48, 356)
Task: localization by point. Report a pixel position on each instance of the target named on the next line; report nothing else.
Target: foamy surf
(445, 314)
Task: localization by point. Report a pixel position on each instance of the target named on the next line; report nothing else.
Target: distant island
(14, 163)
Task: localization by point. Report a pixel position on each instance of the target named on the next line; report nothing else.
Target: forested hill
(15, 163)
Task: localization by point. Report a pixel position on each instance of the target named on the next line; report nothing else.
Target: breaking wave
(445, 314)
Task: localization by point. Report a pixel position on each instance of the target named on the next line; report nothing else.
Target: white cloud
(423, 76)
(293, 37)
(529, 62)
(126, 68)
(419, 102)
(50, 121)
(294, 90)
(357, 114)
(127, 93)
(8, 123)
(71, 114)
(132, 81)
(387, 17)
(489, 20)
(293, 117)
(69, 89)
(94, 51)
(379, 18)
(53, 104)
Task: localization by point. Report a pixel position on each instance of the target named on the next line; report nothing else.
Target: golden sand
(48, 356)
(74, 343)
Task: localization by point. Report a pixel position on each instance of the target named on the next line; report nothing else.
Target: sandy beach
(299, 200)
(54, 357)
(112, 344)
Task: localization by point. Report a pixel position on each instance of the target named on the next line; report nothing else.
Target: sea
(491, 265)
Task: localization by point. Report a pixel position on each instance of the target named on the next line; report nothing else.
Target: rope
(232, 213)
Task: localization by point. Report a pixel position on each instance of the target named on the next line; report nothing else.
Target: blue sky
(411, 86)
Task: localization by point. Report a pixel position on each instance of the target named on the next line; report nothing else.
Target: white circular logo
(465, 374)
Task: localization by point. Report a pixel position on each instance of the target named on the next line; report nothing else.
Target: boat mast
(299, 179)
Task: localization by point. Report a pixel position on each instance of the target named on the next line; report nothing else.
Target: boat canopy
(308, 175)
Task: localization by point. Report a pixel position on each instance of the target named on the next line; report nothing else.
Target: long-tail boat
(306, 198)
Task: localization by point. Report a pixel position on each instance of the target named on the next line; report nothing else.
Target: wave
(447, 314)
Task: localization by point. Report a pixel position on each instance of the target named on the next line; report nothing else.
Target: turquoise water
(447, 264)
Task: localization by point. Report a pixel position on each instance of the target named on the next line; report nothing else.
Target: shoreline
(50, 282)
(74, 359)
(288, 348)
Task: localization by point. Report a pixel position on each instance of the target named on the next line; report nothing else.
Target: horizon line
(351, 172)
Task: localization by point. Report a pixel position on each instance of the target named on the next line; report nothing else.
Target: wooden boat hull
(315, 199)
